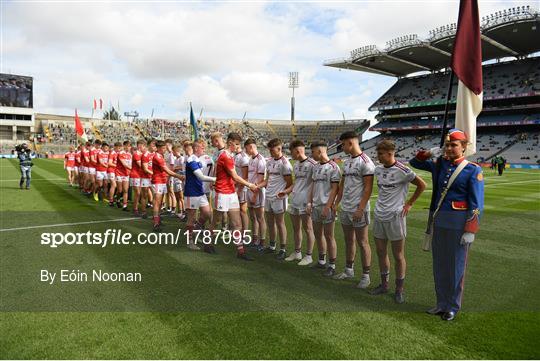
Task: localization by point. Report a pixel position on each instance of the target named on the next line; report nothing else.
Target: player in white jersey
(303, 173)
(391, 209)
(241, 162)
(278, 178)
(170, 199)
(321, 196)
(256, 172)
(354, 192)
(178, 184)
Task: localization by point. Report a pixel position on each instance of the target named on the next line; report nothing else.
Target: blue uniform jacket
(464, 202)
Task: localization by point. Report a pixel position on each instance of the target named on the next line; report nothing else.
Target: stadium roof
(508, 33)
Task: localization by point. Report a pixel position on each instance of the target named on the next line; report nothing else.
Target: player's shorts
(393, 230)
(276, 205)
(346, 219)
(177, 185)
(91, 170)
(316, 215)
(101, 175)
(122, 178)
(196, 202)
(83, 169)
(297, 209)
(111, 175)
(135, 182)
(146, 182)
(259, 200)
(70, 169)
(226, 202)
(160, 188)
(242, 195)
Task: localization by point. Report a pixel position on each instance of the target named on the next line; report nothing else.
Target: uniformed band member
(456, 222)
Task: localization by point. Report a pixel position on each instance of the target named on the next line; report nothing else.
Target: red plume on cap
(456, 134)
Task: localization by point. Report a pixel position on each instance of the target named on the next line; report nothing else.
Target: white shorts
(101, 175)
(346, 219)
(242, 195)
(276, 205)
(259, 200)
(297, 209)
(135, 182)
(196, 202)
(177, 185)
(111, 176)
(317, 217)
(91, 170)
(83, 169)
(122, 178)
(160, 188)
(226, 202)
(146, 182)
(70, 169)
(393, 230)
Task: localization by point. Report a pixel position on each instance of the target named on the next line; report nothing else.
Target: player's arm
(366, 194)
(420, 187)
(171, 173)
(65, 161)
(310, 198)
(93, 157)
(145, 168)
(475, 205)
(112, 164)
(334, 189)
(125, 164)
(232, 173)
(264, 182)
(340, 192)
(102, 162)
(289, 185)
(423, 161)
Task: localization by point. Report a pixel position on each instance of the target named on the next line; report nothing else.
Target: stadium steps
(502, 149)
(314, 132)
(272, 130)
(96, 132)
(47, 132)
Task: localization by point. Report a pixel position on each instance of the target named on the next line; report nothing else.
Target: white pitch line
(35, 180)
(68, 224)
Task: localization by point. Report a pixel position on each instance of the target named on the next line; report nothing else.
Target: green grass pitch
(193, 305)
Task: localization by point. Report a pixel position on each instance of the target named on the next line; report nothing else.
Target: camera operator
(25, 161)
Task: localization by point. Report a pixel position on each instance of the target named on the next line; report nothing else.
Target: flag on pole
(95, 105)
(81, 134)
(100, 104)
(467, 66)
(193, 122)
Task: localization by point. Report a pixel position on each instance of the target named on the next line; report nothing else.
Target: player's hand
(212, 180)
(252, 187)
(282, 194)
(326, 211)
(467, 238)
(435, 152)
(308, 208)
(358, 214)
(406, 209)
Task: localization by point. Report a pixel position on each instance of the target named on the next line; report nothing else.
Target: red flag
(467, 66)
(95, 104)
(81, 135)
(100, 103)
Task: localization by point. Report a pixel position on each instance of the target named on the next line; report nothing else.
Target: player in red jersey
(146, 177)
(92, 167)
(69, 164)
(122, 173)
(111, 171)
(78, 166)
(160, 175)
(85, 161)
(101, 172)
(135, 176)
(226, 199)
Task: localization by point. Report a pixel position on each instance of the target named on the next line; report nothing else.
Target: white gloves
(435, 152)
(467, 238)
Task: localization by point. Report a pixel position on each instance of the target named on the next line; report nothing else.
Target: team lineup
(240, 190)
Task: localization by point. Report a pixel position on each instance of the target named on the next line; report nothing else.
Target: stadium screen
(16, 91)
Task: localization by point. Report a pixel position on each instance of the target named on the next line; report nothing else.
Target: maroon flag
(467, 66)
(100, 104)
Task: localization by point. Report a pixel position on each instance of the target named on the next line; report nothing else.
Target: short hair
(152, 141)
(97, 141)
(387, 145)
(127, 142)
(176, 147)
(201, 142)
(235, 137)
(249, 141)
(348, 135)
(117, 144)
(187, 143)
(296, 143)
(88, 144)
(216, 135)
(274, 143)
(104, 144)
(169, 141)
(318, 143)
(160, 143)
(141, 141)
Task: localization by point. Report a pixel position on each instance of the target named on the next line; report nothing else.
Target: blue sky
(227, 58)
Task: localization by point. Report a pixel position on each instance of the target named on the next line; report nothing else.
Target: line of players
(254, 193)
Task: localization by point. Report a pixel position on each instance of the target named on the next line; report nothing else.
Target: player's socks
(322, 260)
(399, 284)
(365, 279)
(385, 276)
